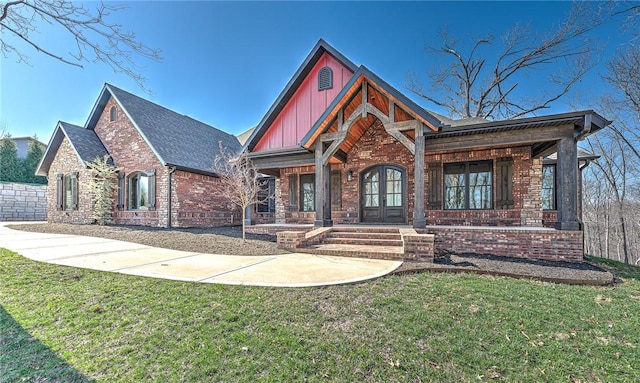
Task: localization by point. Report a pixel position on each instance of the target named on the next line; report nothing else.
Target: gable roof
(84, 142)
(176, 139)
(363, 73)
(287, 93)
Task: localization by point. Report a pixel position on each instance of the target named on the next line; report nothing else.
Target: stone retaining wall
(23, 202)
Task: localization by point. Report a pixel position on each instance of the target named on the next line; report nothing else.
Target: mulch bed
(219, 240)
(548, 271)
(227, 240)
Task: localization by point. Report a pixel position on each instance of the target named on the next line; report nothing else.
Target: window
(67, 191)
(371, 186)
(139, 191)
(266, 197)
(468, 185)
(549, 187)
(325, 78)
(113, 114)
(307, 192)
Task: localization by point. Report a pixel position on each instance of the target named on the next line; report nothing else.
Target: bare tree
(469, 85)
(96, 38)
(240, 181)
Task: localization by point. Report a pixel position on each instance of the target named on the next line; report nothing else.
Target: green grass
(65, 324)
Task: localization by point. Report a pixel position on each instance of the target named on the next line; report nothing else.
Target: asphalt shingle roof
(85, 142)
(177, 139)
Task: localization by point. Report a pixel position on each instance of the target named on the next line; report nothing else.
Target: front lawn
(65, 324)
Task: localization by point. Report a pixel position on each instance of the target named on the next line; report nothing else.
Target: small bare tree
(240, 181)
(102, 184)
(470, 84)
(96, 39)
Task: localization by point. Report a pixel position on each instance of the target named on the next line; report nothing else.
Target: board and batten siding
(305, 107)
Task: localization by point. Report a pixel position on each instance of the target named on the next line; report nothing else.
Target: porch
(403, 242)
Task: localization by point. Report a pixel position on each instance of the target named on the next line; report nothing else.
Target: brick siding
(534, 243)
(65, 162)
(196, 202)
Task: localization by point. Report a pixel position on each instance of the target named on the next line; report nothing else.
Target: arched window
(325, 78)
(139, 191)
(113, 114)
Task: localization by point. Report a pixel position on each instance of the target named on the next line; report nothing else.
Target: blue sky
(226, 62)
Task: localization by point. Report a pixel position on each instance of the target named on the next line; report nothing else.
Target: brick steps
(371, 241)
(366, 241)
(360, 251)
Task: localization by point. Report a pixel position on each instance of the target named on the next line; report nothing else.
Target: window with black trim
(307, 192)
(325, 78)
(67, 191)
(113, 114)
(139, 191)
(549, 187)
(266, 196)
(468, 185)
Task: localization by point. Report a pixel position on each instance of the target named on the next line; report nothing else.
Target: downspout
(172, 169)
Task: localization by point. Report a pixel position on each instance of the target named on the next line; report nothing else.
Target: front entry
(383, 195)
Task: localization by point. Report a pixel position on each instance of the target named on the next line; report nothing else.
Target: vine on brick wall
(101, 186)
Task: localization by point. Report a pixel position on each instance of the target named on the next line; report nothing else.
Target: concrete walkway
(284, 270)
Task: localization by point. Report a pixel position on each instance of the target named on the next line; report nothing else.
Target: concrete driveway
(284, 270)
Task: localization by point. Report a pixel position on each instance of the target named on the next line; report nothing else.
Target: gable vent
(325, 78)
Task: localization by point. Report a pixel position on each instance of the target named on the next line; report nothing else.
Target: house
(23, 144)
(356, 167)
(346, 147)
(166, 163)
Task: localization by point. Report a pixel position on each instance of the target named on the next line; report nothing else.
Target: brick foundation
(534, 243)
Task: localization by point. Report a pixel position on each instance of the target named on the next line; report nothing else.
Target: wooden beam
(333, 148)
(392, 111)
(365, 100)
(329, 137)
(405, 125)
(404, 140)
(511, 137)
(567, 184)
(341, 119)
(354, 116)
(419, 218)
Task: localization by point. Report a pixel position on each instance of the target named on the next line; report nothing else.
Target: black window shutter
(435, 185)
(121, 184)
(336, 192)
(504, 179)
(152, 189)
(293, 192)
(74, 191)
(59, 191)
